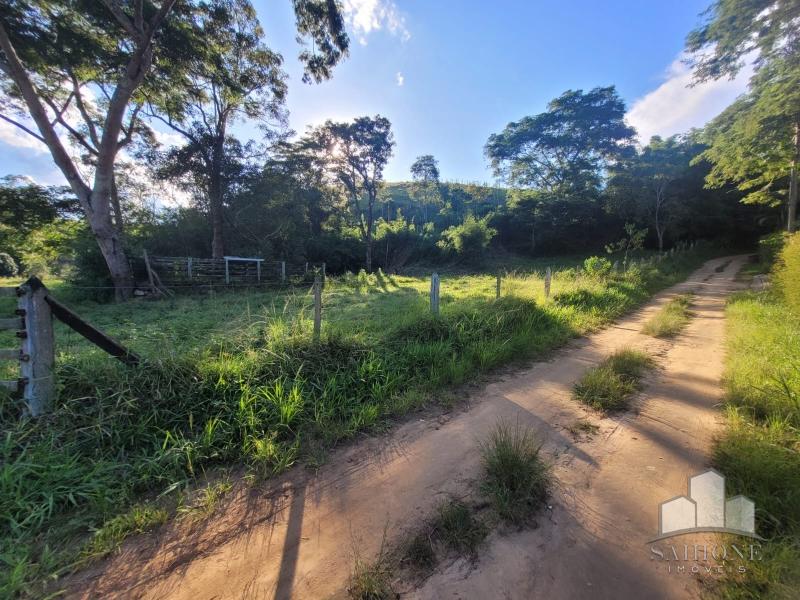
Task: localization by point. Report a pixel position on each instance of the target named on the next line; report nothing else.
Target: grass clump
(457, 527)
(671, 319)
(610, 385)
(515, 477)
(110, 536)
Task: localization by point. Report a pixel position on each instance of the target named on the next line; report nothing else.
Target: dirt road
(296, 540)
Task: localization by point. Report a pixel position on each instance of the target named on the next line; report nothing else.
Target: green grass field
(760, 451)
(236, 380)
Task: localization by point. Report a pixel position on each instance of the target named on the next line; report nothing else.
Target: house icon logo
(706, 509)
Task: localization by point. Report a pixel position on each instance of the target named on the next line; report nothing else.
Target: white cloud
(400, 79)
(674, 107)
(14, 136)
(366, 16)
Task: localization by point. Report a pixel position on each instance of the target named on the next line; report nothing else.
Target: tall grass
(760, 451)
(236, 379)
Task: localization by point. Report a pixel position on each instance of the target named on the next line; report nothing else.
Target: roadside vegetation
(610, 385)
(671, 319)
(760, 451)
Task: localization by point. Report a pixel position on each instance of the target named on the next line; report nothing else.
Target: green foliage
(787, 273)
(609, 386)
(758, 452)
(589, 128)
(8, 267)
(515, 478)
(671, 319)
(468, 241)
(596, 266)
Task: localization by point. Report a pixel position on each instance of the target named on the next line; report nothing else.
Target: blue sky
(449, 73)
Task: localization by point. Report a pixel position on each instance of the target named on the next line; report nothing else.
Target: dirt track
(296, 540)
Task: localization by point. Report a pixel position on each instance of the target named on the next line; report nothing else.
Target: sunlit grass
(759, 453)
(235, 379)
(610, 385)
(671, 319)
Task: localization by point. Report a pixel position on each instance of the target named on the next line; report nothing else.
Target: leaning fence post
(497, 286)
(435, 293)
(317, 307)
(548, 276)
(38, 352)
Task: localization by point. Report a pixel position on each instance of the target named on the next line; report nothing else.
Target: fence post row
(548, 276)
(435, 293)
(317, 307)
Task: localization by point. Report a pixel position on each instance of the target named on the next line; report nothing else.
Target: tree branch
(16, 71)
(59, 118)
(22, 127)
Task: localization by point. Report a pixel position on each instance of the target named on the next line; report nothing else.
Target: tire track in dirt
(295, 539)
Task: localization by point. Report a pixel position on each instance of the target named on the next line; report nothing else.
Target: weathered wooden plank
(39, 345)
(12, 323)
(91, 333)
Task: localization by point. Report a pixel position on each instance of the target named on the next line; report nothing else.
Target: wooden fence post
(497, 287)
(435, 293)
(283, 271)
(548, 276)
(37, 347)
(227, 273)
(317, 308)
(306, 271)
(258, 271)
(189, 267)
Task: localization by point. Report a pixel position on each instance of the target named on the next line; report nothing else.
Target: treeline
(574, 178)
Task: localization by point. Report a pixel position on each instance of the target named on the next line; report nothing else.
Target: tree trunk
(792, 212)
(215, 194)
(96, 209)
(115, 204)
(370, 205)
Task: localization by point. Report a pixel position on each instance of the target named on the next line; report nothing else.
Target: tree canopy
(566, 148)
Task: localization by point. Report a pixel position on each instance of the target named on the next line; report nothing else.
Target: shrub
(8, 266)
(787, 273)
(596, 266)
(515, 477)
(469, 240)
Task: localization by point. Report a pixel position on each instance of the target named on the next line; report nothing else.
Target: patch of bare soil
(295, 538)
